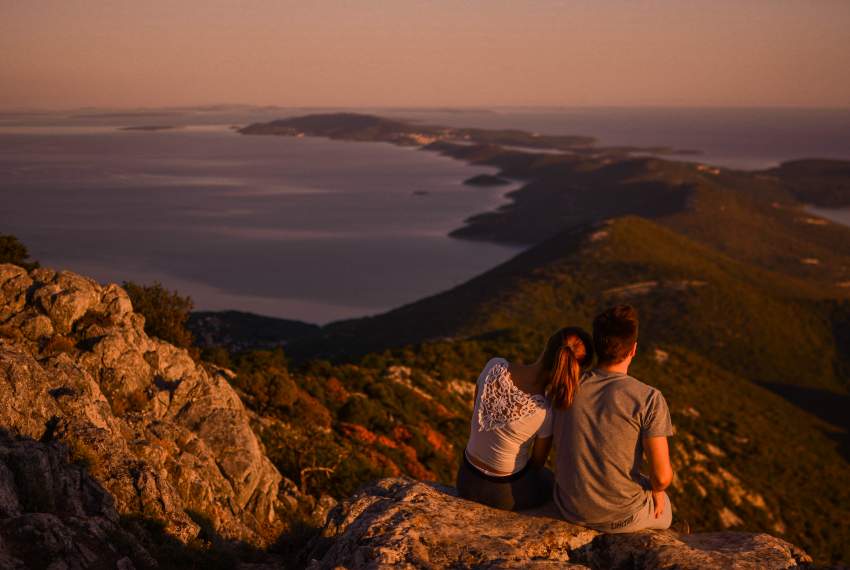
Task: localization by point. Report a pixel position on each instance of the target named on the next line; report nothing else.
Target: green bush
(263, 375)
(366, 412)
(13, 251)
(166, 312)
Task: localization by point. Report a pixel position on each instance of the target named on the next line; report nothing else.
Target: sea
(308, 228)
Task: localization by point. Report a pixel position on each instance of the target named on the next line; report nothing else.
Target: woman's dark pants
(529, 488)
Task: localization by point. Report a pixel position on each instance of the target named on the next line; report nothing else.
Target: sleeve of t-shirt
(486, 370)
(546, 429)
(656, 419)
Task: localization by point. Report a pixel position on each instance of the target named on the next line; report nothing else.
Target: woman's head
(566, 352)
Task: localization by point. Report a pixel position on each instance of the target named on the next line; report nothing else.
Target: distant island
(486, 180)
(149, 128)
(372, 128)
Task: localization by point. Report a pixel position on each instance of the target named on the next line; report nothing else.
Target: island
(372, 128)
(486, 180)
(149, 128)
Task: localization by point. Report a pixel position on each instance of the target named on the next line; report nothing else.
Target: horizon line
(214, 106)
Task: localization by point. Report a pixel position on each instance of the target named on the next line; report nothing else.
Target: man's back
(599, 449)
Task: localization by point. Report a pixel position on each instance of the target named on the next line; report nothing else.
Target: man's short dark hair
(615, 332)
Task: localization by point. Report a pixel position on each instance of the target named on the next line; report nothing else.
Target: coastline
(516, 221)
(559, 190)
(839, 216)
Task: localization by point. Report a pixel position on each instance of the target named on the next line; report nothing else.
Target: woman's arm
(540, 451)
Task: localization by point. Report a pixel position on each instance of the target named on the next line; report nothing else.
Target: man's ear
(634, 350)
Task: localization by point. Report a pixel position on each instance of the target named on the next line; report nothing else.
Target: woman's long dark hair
(567, 351)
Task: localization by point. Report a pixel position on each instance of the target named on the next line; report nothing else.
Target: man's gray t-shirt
(599, 447)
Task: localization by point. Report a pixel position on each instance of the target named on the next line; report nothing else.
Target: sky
(412, 53)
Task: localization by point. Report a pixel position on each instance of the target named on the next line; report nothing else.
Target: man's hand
(658, 500)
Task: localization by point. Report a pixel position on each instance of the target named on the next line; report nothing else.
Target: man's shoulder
(639, 388)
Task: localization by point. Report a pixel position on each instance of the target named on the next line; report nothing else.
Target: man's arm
(540, 451)
(660, 470)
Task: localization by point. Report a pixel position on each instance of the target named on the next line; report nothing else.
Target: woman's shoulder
(497, 362)
(496, 365)
(501, 402)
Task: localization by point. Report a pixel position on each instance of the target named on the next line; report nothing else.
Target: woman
(511, 429)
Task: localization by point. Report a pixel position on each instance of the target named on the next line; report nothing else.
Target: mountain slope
(686, 291)
(732, 345)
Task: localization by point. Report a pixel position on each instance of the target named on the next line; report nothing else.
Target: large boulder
(168, 438)
(54, 515)
(402, 523)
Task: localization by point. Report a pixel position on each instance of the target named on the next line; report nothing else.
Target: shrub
(217, 355)
(166, 312)
(264, 376)
(366, 412)
(13, 251)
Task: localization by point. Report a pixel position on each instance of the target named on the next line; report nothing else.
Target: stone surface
(402, 523)
(54, 515)
(167, 438)
(669, 550)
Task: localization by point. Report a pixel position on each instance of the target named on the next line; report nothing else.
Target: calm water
(300, 228)
(839, 216)
(307, 228)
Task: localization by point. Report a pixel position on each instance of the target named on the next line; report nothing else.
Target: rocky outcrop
(401, 523)
(54, 515)
(167, 438)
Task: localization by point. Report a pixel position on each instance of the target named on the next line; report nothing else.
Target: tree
(13, 251)
(165, 312)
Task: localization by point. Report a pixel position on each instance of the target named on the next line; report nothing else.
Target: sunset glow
(71, 53)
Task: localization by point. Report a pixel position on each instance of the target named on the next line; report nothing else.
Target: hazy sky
(69, 53)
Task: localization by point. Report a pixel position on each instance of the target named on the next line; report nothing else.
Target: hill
(117, 450)
(239, 330)
(745, 328)
(750, 360)
(756, 217)
(744, 302)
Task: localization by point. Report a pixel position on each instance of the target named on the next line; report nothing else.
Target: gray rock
(738, 550)
(54, 515)
(167, 438)
(402, 523)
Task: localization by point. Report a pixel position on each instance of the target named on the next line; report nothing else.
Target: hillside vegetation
(743, 298)
(720, 338)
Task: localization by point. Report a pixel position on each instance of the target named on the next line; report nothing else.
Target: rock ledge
(166, 437)
(402, 523)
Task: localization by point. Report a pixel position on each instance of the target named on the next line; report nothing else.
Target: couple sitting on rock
(602, 422)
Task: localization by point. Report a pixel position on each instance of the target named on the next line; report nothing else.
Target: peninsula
(125, 445)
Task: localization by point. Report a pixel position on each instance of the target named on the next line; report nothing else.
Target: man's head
(615, 333)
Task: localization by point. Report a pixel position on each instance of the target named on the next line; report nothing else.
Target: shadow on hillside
(62, 486)
(829, 406)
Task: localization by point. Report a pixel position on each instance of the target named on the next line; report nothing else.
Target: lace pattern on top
(501, 402)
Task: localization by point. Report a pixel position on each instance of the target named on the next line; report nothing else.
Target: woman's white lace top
(505, 420)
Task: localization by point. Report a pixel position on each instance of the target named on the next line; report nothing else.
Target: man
(600, 440)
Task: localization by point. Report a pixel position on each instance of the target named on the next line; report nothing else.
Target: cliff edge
(168, 439)
(402, 523)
